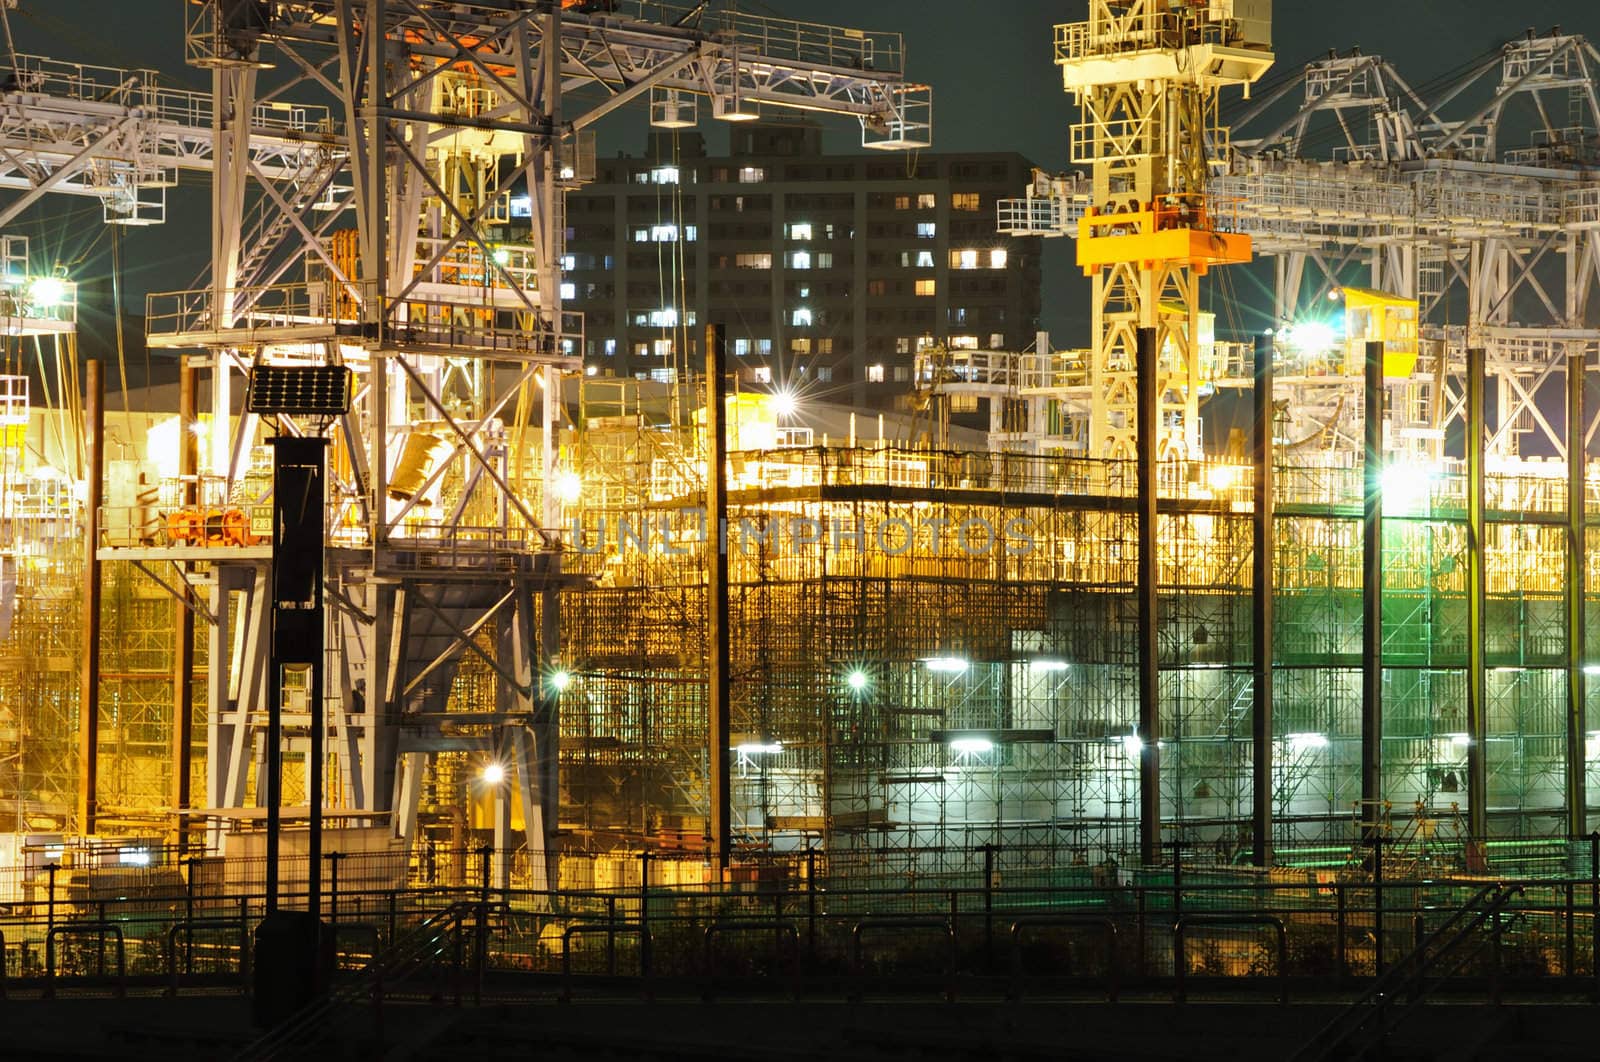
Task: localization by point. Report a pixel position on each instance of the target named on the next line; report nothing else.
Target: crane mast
(1148, 75)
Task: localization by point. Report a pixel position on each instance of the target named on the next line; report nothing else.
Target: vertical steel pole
(1372, 595)
(1577, 554)
(1477, 690)
(1149, 663)
(1261, 610)
(183, 627)
(94, 421)
(717, 662)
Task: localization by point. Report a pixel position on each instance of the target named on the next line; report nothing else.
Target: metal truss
(442, 126)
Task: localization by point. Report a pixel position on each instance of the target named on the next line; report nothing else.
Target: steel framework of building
(904, 690)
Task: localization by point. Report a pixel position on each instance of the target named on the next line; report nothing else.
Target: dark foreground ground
(202, 1028)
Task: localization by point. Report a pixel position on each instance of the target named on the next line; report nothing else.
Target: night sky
(990, 65)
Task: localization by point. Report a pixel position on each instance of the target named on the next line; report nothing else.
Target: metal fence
(1173, 930)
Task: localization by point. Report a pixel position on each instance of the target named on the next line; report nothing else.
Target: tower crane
(1147, 75)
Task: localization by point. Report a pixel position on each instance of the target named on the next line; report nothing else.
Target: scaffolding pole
(1261, 609)
(1149, 662)
(1477, 690)
(1372, 595)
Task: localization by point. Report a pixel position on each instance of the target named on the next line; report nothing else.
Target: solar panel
(300, 390)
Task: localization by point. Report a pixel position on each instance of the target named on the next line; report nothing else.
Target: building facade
(829, 271)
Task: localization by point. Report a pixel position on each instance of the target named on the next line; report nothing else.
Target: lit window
(802, 317)
(691, 232)
(667, 318)
(800, 230)
(926, 230)
(665, 376)
(902, 373)
(641, 235)
(927, 287)
(800, 346)
(741, 348)
(752, 175)
(996, 340)
(611, 348)
(569, 291)
(641, 350)
(641, 177)
(662, 348)
(664, 175)
(902, 345)
(997, 258)
(874, 374)
(963, 342)
(825, 373)
(825, 260)
(764, 347)
(902, 202)
(924, 259)
(664, 234)
(800, 260)
(924, 343)
(965, 201)
(569, 262)
(754, 261)
(967, 259)
(763, 374)
(926, 201)
(824, 346)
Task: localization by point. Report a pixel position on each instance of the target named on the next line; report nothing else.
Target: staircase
(446, 935)
(1366, 1027)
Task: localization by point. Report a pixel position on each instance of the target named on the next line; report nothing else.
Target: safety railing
(138, 88)
(719, 941)
(779, 39)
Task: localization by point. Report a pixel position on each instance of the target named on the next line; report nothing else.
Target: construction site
(930, 651)
(1307, 604)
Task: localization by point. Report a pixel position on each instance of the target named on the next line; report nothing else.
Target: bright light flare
(971, 746)
(47, 291)
(948, 665)
(757, 748)
(1222, 477)
(560, 680)
(1303, 742)
(785, 404)
(492, 774)
(857, 680)
(1312, 337)
(1048, 665)
(1406, 484)
(568, 487)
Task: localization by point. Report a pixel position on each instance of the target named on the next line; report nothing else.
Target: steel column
(94, 425)
(183, 626)
(717, 662)
(1372, 594)
(1477, 691)
(1577, 553)
(1149, 663)
(1262, 587)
